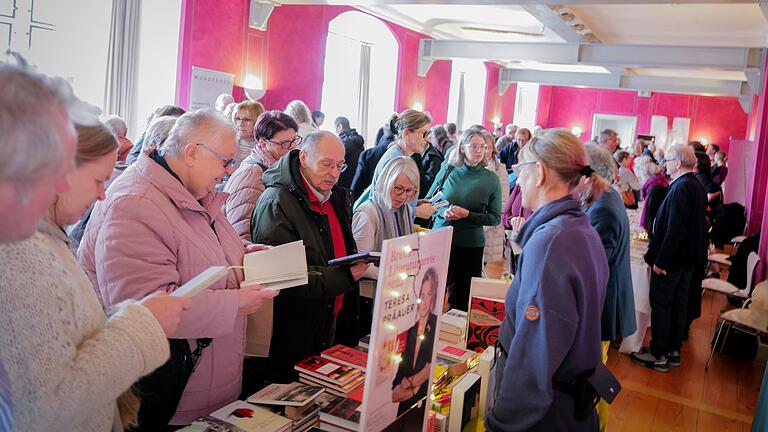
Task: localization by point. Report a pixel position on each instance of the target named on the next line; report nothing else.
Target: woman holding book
(474, 194)
(67, 361)
(410, 384)
(551, 333)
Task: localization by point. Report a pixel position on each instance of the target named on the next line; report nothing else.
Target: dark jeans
(669, 310)
(464, 264)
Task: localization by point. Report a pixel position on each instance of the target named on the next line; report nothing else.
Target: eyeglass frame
(227, 161)
(409, 192)
(480, 147)
(328, 165)
(516, 168)
(664, 161)
(242, 120)
(281, 144)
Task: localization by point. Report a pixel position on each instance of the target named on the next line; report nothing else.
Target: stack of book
(453, 325)
(295, 401)
(240, 416)
(338, 414)
(338, 379)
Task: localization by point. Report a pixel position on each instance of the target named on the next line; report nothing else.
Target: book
(454, 321)
(240, 416)
(346, 356)
(465, 402)
(294, 394)
(298, 413)
(485, 317)
(201, 282)
(279, 267)
(486, 368)
(344, 413)
(451, 338)
(364, 342)
(369, 257)
(327, 370)
(457, 355)
(345, 391)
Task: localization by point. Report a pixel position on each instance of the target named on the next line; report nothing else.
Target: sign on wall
(207, 85)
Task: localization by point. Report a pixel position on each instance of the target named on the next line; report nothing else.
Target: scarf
(389, 221)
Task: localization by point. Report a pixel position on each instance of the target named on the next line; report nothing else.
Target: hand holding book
(251, 297)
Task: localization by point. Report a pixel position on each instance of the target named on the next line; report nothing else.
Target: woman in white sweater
(494, 235)
(67, 361)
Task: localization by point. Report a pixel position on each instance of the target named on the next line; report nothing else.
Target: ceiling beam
(628, 82)
(553, 21)
(507, 2)
(638, 56)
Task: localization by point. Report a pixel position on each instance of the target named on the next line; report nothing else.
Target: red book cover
(346, 356)
(327, 370)
(485, 317)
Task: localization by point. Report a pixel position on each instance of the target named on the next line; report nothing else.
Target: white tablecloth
(641, 285)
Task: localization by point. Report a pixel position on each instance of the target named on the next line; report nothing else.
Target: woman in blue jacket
(551, 333)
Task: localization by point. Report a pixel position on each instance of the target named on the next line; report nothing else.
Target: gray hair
(116, 125)
(645, 168)
(684, 154)
(510, 127)
(311, 142)
(389, 174)
(456, 157)
(602, 162)
(605, 135)
(191, 123)
(158, 131)
(299, 111)
(30, 140)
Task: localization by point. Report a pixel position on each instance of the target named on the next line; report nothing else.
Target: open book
(279, 267)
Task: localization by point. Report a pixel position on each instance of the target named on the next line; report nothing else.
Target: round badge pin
(532, 313)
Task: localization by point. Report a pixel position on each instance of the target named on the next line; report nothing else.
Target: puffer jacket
(303, 319)
(244, 188)
(150, 234)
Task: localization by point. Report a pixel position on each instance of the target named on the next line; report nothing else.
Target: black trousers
(669, 310)
(464, 264)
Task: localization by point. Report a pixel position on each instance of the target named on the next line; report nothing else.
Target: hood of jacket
(566, 206)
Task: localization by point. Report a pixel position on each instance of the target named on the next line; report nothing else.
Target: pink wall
(501, 107)
(719, 119)
(289, 56)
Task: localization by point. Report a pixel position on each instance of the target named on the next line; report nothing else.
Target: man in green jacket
(303, 202)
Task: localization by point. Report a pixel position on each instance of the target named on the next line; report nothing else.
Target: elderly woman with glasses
(244, 117)
(276, 134)
(474, 197)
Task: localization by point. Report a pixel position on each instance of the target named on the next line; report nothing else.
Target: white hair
(645, 168)
(601, 161)
(389, 174)
(299, 111)
(116, 125)
(191, 123)
(684, 154)
(158, 131)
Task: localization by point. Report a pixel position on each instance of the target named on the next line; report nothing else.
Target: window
(467, 95)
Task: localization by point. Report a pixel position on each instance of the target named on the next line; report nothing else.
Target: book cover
(346, 388)
(451, 338)
(251, 418)
(456, 318)
(486, 368)
(455, 354)
(344, 413)
(325, 369)
(485, 317)
(465, 402)
(279, 267)
(294, 394)
(346, 356)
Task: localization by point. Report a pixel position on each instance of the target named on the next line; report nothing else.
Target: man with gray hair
(303, 202)
(678, 246)
(609, 140)
(508, 137)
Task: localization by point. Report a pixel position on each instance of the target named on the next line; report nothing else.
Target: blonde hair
(411, 120)
(299, 111)
(565, 154)
(254, 108)
(94, 142)
(456, 157)
(400, 165)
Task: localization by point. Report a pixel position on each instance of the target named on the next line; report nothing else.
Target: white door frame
(597, 117)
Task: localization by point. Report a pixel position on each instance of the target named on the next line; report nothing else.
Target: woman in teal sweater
(474, 194)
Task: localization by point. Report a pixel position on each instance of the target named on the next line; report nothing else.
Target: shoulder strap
(445, 177)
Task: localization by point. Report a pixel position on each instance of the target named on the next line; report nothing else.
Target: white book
(278, 267)
(465, 402)
(201, 282)
(487, 370)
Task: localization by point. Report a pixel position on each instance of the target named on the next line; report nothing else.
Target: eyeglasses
(225, 160)
(664, 161)
(328, 165)
(425, 135)
(399, 190)
(476, 147)
(287, 144)
(519, 167)
(242, 120)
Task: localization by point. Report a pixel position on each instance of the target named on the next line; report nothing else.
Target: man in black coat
(369, 158)
(678, 247)
(354, 144)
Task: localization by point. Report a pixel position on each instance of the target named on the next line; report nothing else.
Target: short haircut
(440, 135)
(116, 125)
(720, 156)
(451, 128)
(697, 146)
(524, 131)
(456, 158)
(620, 155)
(299, 111)
(158, 131)
(343, 122)
(389, 174)
(605, 135)
(272, 122)
(601, 161)
(715, 147)
(191, 123)
(317, 114)
(703, 164)
(510, 128)
(683, 153)
(311, 142)
(254, 108)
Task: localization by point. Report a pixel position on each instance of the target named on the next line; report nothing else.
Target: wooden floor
(685, 398)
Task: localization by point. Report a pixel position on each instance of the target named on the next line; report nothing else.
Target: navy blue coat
(609, 218)
(552, 326)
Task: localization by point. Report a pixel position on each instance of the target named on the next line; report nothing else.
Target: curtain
(460, 104)
(122, 60)
(363, 93)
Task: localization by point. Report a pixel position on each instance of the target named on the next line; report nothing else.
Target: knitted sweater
(66, 360)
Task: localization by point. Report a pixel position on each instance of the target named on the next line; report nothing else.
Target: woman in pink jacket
(160, 225)
(275, 135)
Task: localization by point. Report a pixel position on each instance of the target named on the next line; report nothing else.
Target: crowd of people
(93, 342)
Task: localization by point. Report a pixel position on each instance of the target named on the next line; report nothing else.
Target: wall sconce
(418, 106)
(576, 130)
(254, 87)
(496, 122)
(703, 140)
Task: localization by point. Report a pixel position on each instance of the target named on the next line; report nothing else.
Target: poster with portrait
(408, 304)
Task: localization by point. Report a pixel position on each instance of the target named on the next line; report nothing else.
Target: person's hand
(659, 271)
(166, 309)
(515, 222)
(358, 269)
(425, 210)
(455, 212)
(255, 247)
(251, 297)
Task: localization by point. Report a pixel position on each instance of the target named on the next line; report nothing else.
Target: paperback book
(346, 356)
(327, 370)
(294, 394)
(485, 317)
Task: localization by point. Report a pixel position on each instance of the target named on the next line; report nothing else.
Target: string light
(407, 249)
(397, 358)
(394, 293)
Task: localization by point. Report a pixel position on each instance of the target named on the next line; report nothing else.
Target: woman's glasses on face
(519, 167)
(399, 190)
(288, 144)
(476, 147)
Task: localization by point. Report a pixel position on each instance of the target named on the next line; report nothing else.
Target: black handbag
(161, 390)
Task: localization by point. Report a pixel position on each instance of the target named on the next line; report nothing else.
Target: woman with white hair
(474, 194)
(303, 116)
(653, 191)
